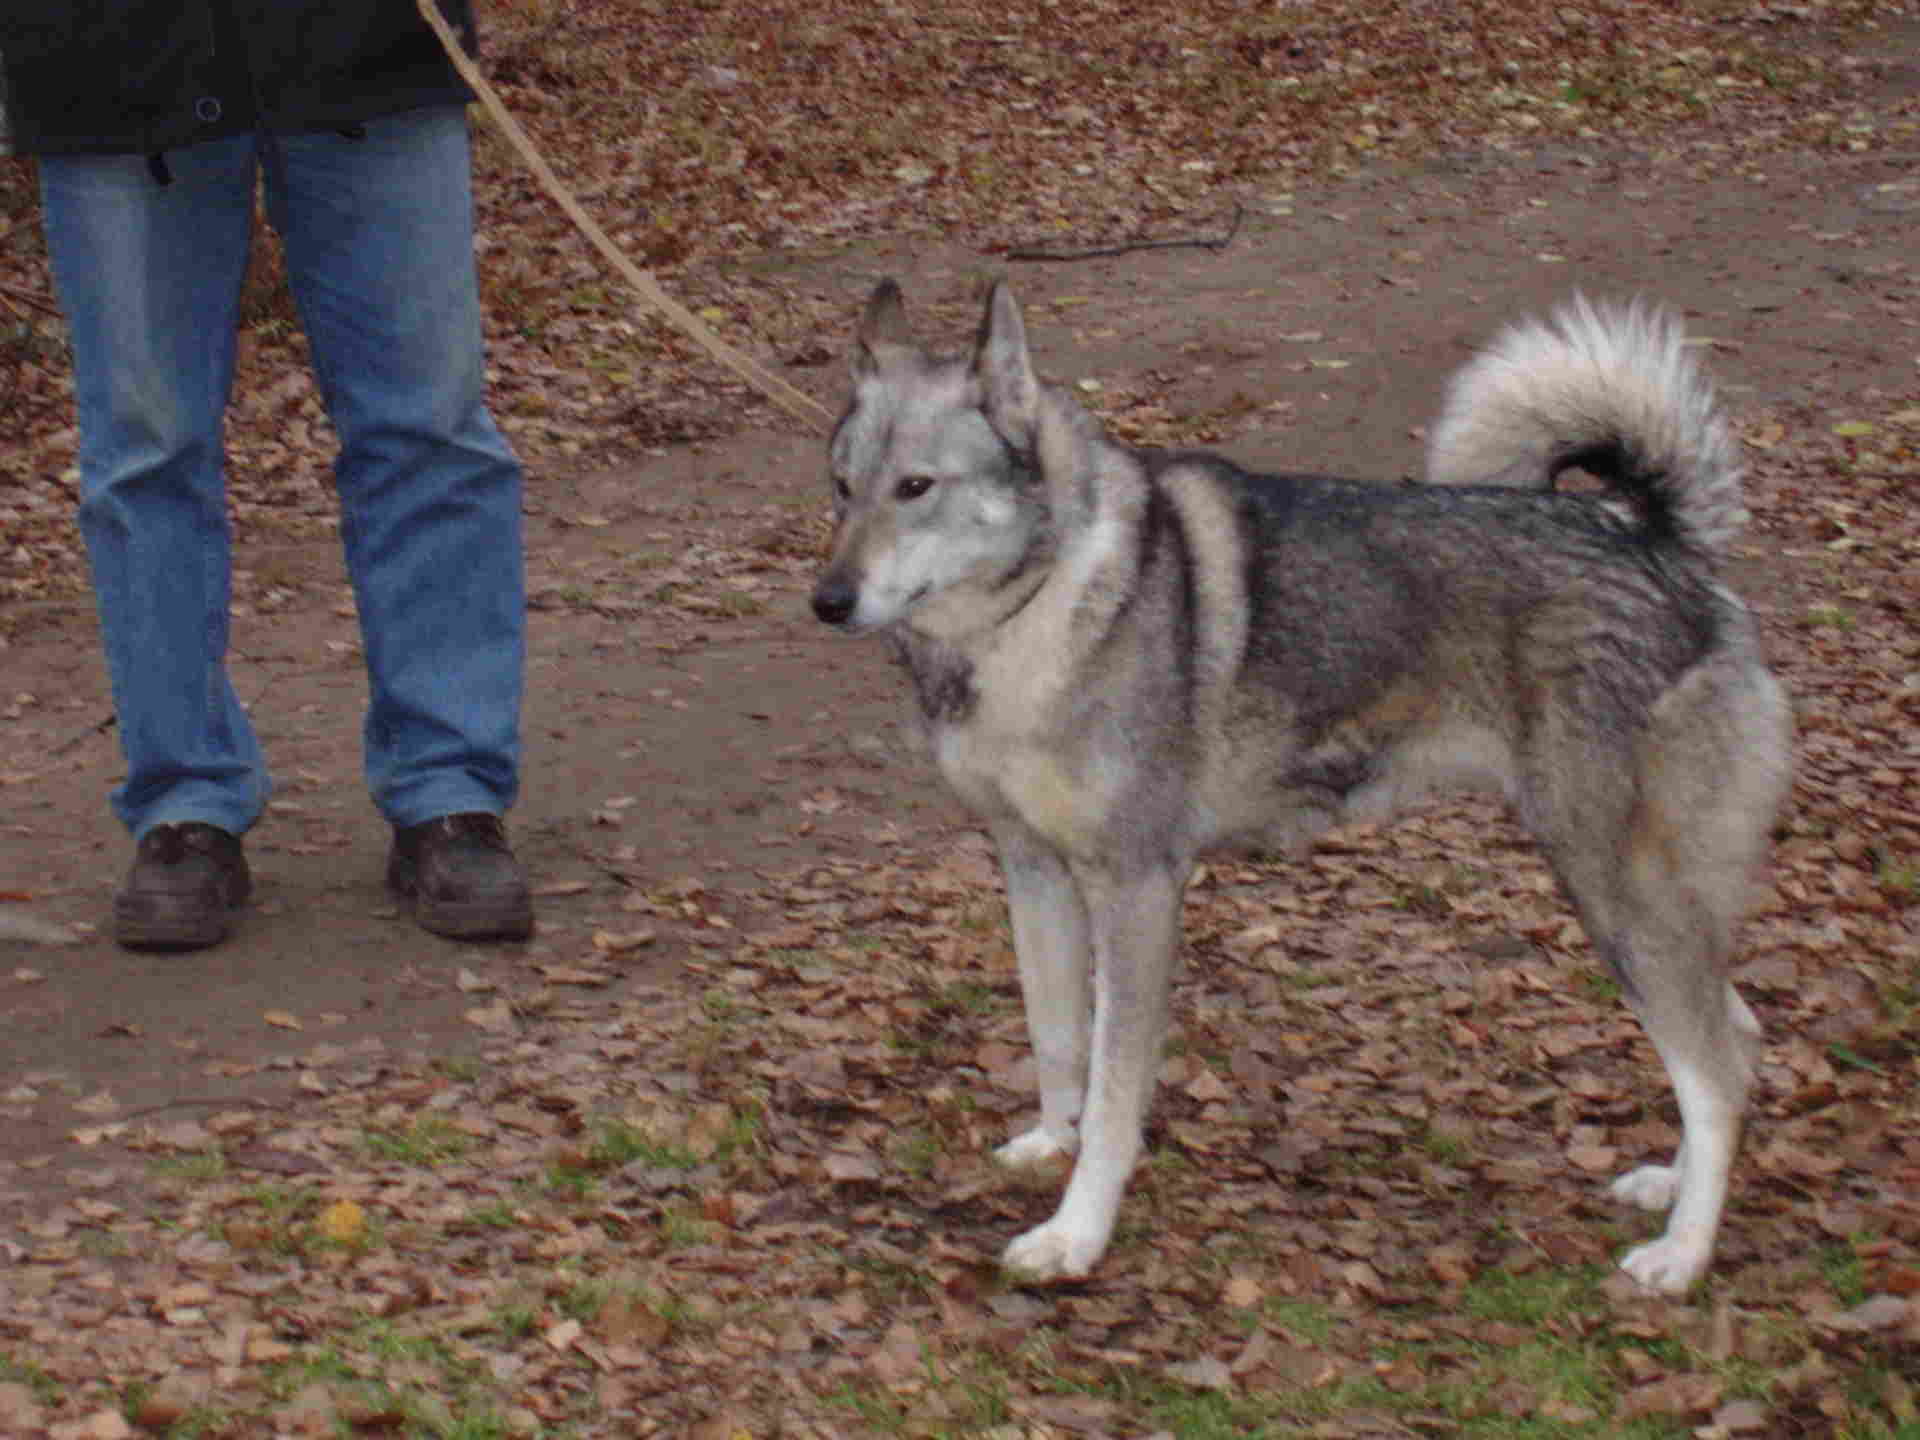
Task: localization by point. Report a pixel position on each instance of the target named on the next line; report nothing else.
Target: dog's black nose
(834, 601)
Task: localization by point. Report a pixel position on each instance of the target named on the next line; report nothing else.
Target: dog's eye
(912, 487)
(842, 491)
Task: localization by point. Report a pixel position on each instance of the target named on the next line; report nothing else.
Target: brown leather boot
(460, 873)
(184, 886)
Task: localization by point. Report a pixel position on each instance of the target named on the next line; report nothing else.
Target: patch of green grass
(104, 1245)
(981, 917)
(582, 1299)
(429, 1141)
(570, 1180)
(1444, 1148)
(916, 1153)
(1897, 876)
(891, 1282)
(1601, 985)
(1534, 1297)
(970, 997)
(618, 1144)
(272, 1218)
(192, 1166)
(681, 1228)
(494, 1215)
(1845, 1272)
(198, 1421)
(1847, 1058)
(1309, 1321)
(461, 1069)
(383, 1368)
(1446, 1389)
(516, 1322)
(972, 1398)
(14, 1371)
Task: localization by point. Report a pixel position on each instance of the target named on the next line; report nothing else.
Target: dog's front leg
(1050, 938)
(1134, 922)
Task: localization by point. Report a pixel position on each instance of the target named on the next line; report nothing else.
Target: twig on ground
(1096, 252)
(99, 727)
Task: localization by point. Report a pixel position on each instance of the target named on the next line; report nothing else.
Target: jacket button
(206, 109)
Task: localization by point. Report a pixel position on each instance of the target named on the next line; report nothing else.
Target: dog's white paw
(1052, 1251)
(1670, 1265)
(1651, 1187)
(1034, 1148)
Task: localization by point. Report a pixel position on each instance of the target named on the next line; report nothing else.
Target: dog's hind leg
(1667, 946)
(1660, 889)
(1050, 939)
(1134, 922)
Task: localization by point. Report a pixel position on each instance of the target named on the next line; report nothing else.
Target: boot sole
(143, 927)
(498, 918)
(476, 920)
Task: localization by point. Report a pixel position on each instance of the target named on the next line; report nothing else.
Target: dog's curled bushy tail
(1613, 390)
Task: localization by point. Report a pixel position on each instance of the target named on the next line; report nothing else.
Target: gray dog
(1126, 658)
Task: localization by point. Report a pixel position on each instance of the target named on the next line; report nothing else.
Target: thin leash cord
(793, 401)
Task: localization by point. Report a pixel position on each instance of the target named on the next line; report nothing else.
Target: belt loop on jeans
(157, 167)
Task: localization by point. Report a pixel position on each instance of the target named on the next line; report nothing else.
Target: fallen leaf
(899, 1357)
(1242, 1291)
(343, 1222)
(613, 943)
(1594, 1159)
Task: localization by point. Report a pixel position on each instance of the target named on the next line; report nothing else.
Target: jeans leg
(378, 228)
(149, 277)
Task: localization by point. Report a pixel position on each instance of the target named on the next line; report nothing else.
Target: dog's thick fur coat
(1125, 658)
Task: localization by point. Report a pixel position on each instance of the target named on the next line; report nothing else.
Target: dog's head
(938, 508)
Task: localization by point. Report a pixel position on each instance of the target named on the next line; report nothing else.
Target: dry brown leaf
(1674, 1395)
(899, 1360)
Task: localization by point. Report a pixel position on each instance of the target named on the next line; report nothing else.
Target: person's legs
(149, 276)
(149, 271)
(378, 227)
(379, 238)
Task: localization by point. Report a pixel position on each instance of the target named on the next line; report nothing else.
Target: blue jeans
(378, 231)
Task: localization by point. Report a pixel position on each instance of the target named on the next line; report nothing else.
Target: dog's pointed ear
(882, 324)
(1003, 368)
